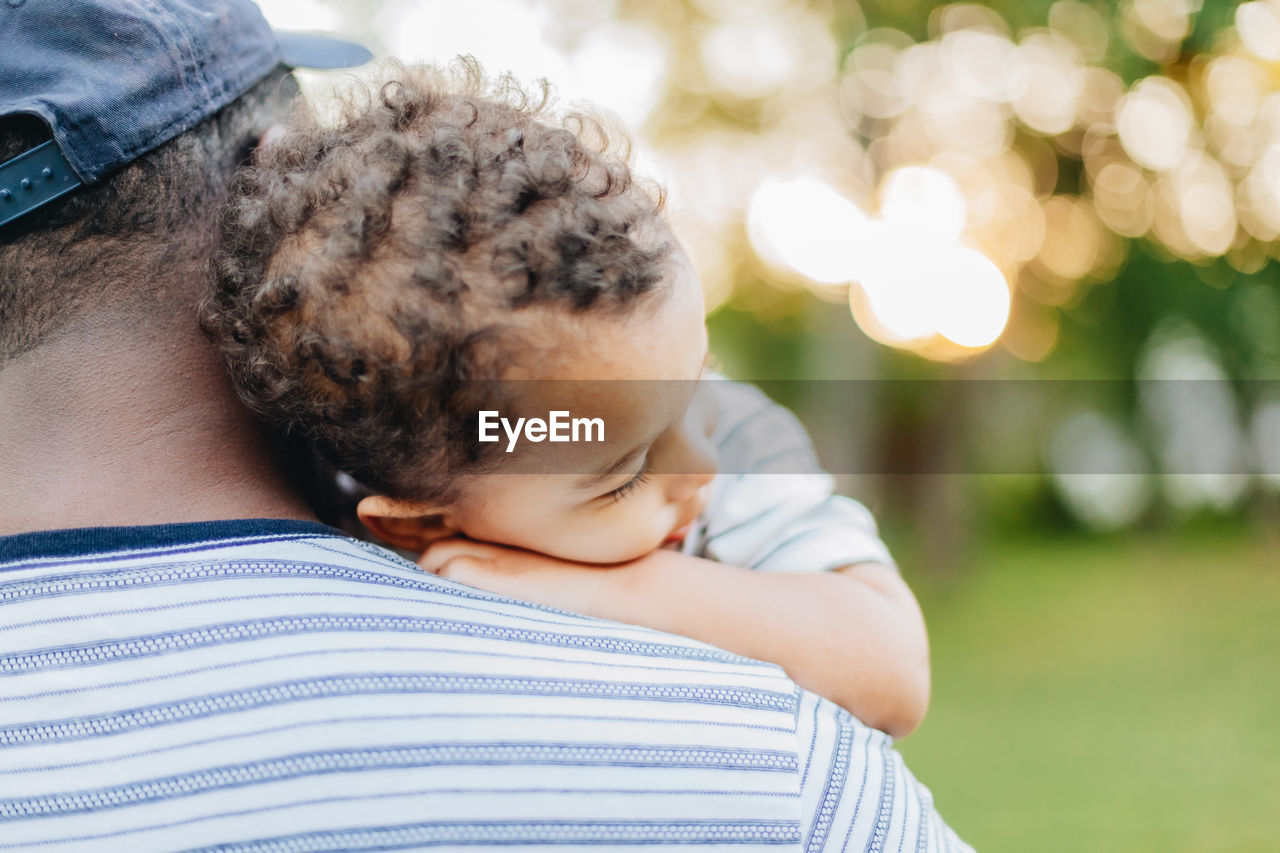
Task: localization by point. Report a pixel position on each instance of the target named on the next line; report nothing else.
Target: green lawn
(1108, 695)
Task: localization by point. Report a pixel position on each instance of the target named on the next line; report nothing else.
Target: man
(188, 659)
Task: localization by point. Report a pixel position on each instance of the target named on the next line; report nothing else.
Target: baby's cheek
(647, 534)
(619, 540)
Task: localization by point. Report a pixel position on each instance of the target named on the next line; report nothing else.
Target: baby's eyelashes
(641, 477)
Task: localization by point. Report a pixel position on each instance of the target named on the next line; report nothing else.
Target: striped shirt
(772, 507)
(275, 685)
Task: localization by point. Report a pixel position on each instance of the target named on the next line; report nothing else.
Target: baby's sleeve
(772, 507)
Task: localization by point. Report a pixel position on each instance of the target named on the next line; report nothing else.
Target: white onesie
(774, 508)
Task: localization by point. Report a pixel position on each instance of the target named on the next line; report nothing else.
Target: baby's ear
(405, 524)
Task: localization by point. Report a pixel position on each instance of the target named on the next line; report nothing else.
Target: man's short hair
(107, 245)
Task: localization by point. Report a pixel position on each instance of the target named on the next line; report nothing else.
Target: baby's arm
(855, 635)
(774, 511)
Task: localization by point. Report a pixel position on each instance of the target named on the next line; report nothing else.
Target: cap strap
(34, 178)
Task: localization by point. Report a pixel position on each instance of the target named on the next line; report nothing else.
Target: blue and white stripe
(277, 686)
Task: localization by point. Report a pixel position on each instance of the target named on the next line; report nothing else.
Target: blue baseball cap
(114, 79)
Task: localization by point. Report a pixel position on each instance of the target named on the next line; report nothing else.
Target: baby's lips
(680, 533)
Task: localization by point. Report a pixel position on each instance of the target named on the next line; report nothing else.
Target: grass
(1108, 695)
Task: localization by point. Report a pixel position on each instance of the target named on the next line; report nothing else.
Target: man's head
(114, 247)
(151, 107)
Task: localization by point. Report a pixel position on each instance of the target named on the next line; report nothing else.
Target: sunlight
(924, 200)
(805, 226)
(299, 14)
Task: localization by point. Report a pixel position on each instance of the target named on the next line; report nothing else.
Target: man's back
(274, 685)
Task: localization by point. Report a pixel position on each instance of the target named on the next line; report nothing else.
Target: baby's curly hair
(370, 267)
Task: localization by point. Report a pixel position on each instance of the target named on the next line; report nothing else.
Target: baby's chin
(605, 560)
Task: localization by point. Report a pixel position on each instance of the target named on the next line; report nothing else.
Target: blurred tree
(1110, 159)
(914, 192)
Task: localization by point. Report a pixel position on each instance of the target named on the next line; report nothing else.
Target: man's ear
(405, 524)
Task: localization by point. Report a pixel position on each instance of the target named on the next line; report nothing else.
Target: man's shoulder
(265, 581)
(278, 685)
(217, 679)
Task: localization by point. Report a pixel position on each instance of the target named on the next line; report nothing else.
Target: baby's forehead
(636, 372)
(660, 336)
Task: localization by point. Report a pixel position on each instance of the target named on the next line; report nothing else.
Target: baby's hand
(521, 574)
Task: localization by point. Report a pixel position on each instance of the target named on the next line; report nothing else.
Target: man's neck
(111, 425)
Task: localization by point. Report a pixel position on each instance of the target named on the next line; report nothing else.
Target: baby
(402, 287)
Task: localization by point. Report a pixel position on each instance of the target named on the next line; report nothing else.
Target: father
(187, 658)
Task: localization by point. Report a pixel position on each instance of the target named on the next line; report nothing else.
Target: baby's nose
(684, 487)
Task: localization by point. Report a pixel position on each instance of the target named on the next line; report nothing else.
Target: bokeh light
(752, 55)
(1259, 26)
(972, 300)
(925, 201)
(1099, 471)
(1265, 438)
(804, 225)
(914, 283)
(1191, 411)
(1154, 121)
